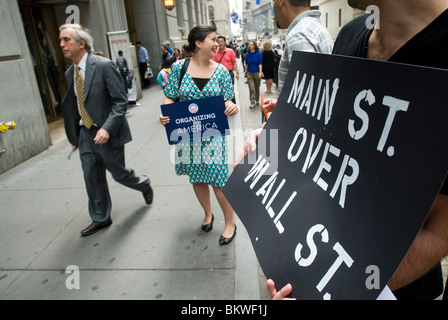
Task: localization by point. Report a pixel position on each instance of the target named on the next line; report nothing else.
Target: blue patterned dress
(204, 161)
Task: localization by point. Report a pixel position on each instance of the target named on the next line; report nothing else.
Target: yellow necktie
(86, 119)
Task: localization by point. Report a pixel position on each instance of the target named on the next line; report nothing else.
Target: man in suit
(94, 110)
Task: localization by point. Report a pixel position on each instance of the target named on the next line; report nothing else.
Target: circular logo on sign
(193, 108)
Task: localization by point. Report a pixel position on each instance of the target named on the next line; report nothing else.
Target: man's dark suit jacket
(104, 98)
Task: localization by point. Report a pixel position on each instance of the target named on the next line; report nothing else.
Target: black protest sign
(346, 171)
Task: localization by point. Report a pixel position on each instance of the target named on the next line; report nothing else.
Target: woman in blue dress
(204, 161)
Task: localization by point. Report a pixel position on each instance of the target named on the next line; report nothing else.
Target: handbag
(148, 73)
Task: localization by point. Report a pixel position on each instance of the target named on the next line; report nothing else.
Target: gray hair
(81, 34)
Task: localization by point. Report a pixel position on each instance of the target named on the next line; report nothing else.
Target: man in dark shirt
(412, 32)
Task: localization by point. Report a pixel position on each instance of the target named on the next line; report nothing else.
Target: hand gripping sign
(359, 159)
(196, 119)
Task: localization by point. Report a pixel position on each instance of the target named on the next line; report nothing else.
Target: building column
(23, 106)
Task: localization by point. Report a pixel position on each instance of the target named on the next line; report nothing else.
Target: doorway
(42, 35)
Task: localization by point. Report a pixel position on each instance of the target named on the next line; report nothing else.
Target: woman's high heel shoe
(208, 227)
(225, 241)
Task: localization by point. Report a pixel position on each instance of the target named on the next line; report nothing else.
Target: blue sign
(234, 17)
(195, 119)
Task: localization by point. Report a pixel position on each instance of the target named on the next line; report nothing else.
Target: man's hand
(102, 136)
(250, 143)
(74, 149)
(269, 104)
(282, 294)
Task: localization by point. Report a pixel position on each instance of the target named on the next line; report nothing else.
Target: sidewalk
(149, 252)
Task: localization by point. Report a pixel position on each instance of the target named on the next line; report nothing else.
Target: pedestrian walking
(176, 55)
(254, 72)
(169, 49)
(94, 110)
(243, 51)
(165, 55)
(204, 78)
(143, 63)
(305, 32)
(122, 65)
(226, 57)
(268, 57)
(163, 74)
(185, 51)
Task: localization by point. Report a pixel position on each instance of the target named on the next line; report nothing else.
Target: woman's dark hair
(255, 45)
(198, 33)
